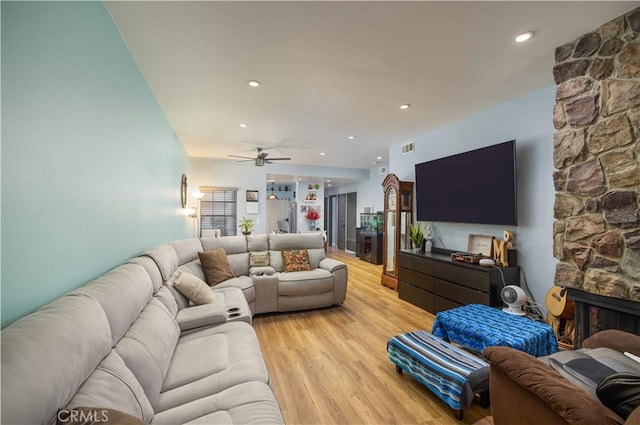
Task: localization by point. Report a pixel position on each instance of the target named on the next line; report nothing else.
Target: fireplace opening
(595, 313)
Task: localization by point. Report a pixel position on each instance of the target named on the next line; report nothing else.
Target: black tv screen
(478, 186)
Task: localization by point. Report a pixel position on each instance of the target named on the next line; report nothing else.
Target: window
(218, 210)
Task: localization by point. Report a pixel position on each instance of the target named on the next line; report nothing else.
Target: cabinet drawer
(416, 279)
(442, 304)
(460, 294)
(420, 264)
(416, 296)
(472, 278)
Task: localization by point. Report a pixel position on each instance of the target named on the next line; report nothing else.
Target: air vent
(382, 170)
(407, 148)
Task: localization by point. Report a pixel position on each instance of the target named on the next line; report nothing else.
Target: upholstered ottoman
(449, 372)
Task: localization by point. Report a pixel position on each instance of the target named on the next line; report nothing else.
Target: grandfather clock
(398, 206)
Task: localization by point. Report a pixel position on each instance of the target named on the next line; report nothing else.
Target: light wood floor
(330, 366)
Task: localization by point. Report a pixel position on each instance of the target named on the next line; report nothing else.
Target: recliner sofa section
(130, 341)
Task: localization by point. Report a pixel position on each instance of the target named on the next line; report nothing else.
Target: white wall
(528, 120)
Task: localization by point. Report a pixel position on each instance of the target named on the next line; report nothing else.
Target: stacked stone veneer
(596, 153)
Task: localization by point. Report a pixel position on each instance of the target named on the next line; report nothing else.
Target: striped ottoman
(449, 372)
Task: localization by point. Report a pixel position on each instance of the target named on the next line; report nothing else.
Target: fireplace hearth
(594, 313)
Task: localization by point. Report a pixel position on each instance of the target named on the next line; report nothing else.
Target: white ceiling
(333, 69)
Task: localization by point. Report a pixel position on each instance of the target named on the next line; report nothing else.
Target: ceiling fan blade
(243, 157)
(279, 159)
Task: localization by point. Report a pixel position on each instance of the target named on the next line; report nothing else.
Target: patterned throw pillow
(295, 260)
(259, 259)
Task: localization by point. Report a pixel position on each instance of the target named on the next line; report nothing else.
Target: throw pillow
(259, 259)
(295, 260)
(95, 415)
(193, 288)
(215, 265)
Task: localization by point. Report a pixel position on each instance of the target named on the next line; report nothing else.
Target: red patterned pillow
(295, 260)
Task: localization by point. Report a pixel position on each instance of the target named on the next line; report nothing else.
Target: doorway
(342, 221)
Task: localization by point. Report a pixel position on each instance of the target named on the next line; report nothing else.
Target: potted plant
(313, 216)
(246, 225)
(416, 235)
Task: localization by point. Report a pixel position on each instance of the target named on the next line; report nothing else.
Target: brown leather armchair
(525, 390)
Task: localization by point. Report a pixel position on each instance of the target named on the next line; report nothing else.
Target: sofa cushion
(243, 283)
(166, 259)
(186, 249)
(246, 403)
(211, 360)
(148, 346)
(166, 297)
(259, 259)
(195, 268)
(312, 242)
(122, 292)
(295, 260)
(305, 283)
(152, 269)
(112, 385)
(257, 243)
(215, 266)
(47, 355)
(193, 288)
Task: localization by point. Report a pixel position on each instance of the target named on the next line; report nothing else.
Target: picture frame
(252, 207)
(252, 195)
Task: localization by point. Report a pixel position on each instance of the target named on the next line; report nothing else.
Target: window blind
(218, 210)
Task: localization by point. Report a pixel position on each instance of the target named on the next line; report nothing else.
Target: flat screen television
(478, 186)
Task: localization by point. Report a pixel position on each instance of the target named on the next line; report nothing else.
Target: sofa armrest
(614, 339)
(202, 316)
(525, 390)
(261, 271)
(331, 265)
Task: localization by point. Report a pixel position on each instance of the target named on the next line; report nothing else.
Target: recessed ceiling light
(351, 137)
(405, 106)
(321, 153)
(243, 125)
(328, 180)
(379, 158)
(254, 83)
(523, 37)
(329, 185)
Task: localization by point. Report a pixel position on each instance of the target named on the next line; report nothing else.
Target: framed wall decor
(252, 196)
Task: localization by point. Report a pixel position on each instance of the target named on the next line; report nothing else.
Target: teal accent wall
(90, 166)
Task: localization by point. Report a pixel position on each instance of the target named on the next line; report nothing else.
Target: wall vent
(407, 148)
(382, 170)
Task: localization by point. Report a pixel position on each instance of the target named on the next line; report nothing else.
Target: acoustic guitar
(558, 304)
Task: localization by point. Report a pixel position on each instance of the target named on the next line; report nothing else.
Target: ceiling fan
(260, 159)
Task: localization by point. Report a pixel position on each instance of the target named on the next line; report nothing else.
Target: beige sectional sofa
(130, 341)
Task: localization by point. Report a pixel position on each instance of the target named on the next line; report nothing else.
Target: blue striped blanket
(449, 372)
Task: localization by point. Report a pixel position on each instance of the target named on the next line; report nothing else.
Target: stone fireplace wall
(596, 153)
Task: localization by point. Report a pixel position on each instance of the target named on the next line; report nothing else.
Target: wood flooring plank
(330, 366)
